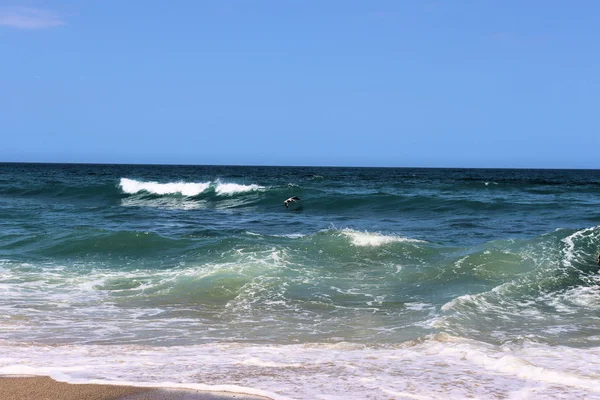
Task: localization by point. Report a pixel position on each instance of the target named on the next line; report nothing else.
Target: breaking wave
(189, 189)
(374, 239)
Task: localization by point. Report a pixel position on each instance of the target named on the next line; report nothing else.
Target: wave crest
(233, 188)
(373, 239)
(132, 186)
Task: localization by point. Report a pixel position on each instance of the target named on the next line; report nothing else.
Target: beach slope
(45, 388)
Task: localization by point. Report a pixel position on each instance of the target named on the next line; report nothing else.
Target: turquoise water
(377, 264)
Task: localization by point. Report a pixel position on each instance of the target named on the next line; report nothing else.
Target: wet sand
(44, 388)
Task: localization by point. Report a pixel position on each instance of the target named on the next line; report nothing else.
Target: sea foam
(132, 186)
(233, 188)
(420, 369)
(372, 239)
(581, 238)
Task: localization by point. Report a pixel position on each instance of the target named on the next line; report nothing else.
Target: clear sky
(302, 82)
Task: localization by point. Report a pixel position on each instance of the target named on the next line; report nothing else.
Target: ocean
(381, 283)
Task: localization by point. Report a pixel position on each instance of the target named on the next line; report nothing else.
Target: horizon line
(290, 166)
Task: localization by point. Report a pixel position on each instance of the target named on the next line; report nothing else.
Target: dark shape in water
(291, 200)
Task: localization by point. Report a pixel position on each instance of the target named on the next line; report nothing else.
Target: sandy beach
(45, 388)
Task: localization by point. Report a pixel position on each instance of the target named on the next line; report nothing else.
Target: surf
(188, 189)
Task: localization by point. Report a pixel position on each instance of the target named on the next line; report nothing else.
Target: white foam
(257, 362)
(131, 186)
(55, 298)
(373, 239)
(291, 235)
(438, 367)
(590, 235)
(419, 306)
(73, 375)
(457, 301)
(233, 188)
(576, 298)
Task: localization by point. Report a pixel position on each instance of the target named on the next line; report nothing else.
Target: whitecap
(131, 186)
(233, 188)
(373, 239)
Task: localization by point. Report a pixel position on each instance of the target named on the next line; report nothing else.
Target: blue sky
(298, 82)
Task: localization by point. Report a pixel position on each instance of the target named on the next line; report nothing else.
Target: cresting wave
(132, 186)
(398, 198)
(355, 237)
(502, 291)
(554, 290)
(144, 244)
(374, 239)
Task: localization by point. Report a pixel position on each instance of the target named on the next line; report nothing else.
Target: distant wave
(232, 188)
(132, 186)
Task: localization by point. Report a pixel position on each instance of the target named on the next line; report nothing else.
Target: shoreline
(18, 387)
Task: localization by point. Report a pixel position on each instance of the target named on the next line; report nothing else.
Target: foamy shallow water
(440, 366)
